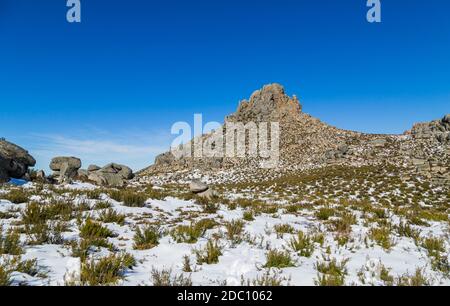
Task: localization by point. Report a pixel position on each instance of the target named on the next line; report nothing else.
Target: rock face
(65, 169)
(112, 175)
(14, 161)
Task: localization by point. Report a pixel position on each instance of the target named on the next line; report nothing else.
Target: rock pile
(65, 169)
(438, 130)
(341, 152)
(111, 175)
(433, 169)
(14, 161)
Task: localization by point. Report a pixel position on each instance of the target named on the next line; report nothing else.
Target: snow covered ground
(362, 258)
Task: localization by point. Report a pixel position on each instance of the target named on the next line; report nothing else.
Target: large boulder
(14, 161)
(111, 175)
(202, 190)
(120, 170)
(65, 169)
(197, 186)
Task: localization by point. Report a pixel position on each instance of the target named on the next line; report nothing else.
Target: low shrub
(146, 237)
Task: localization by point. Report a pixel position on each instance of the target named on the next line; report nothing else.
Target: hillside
(307, 143)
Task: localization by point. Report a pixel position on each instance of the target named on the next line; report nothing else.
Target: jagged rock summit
(269, 104)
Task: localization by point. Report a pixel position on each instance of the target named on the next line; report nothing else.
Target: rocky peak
(269, 104)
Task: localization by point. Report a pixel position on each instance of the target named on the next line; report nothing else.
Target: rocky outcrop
(65, 169)
(438, 130)
(341, 152)
(112, 175)
(269, 104)
(14, 161)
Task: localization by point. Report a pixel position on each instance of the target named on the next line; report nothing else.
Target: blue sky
(110, 88)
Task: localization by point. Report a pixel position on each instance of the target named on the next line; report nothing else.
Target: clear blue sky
(110, 88)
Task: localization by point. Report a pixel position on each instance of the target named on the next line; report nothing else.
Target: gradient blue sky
(110, 88)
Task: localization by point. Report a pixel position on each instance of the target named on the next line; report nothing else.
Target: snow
(244, 261)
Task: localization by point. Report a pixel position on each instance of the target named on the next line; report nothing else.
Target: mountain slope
(307, 143)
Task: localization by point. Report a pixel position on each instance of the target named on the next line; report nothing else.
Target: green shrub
(325, 213)
(382, 236)
(433, 245)
(270, 278)
(248, 215)
(406, 230)
(129, 198)
(156, 194)
(146, 238)
(15, 264)
(94, 194)
(62, 210)
(10, 243)
(209, 205)
(94, 230)
(16, 196)
(235, 230)
(106, 271)
(29, 267)
(7, 215)
(331, 273)
(102, 205)
(292, 209)
(269, 209)
(344, 224)
(82, 248)
(5, 275)
(111, 216)
(191, 233)
(34, 213)
(386, 277)
(282, 229)
(187, 264)
(418, 279)
(436, 249)
(210, 254)
(45, 233)
(278, 259)
(164, 278)
(302, 244)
